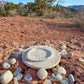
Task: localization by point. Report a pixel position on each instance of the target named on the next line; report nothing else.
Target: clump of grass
(79, 20)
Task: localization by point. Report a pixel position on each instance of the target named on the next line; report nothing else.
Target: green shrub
(3, 12)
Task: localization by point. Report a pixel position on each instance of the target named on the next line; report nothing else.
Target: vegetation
(10, 10)
(42, 8)
(79, 20)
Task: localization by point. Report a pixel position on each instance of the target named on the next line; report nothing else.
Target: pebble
(19, 76)
(63, 54)
(61, 70)
(58, 77)
(70, 54)
(42, 73)
(6, 65)
(67, 79)
(47, 81)
(15, 80)
(18, 70)
(63, 47)
(16, 54)
(28, 78)
(12, 61)
(71, 78)
(6, 77)
(64, 82)
(81, 59)
(53, 75)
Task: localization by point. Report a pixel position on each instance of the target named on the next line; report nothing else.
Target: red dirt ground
(17, 31)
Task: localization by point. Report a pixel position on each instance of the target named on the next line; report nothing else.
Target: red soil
(17, 31)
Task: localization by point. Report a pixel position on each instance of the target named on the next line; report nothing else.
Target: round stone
(19, 76)
(58, 77)
(42, 73)
(6, 77)
(64, 82)
(63, 46)
(6, 65)
(28, 78)
(47, 81)
(70, 54)
(12, 61)
(71, 78)
(81, 59)
(41, 56)
(53, 75)
(63, 53)
(15, 80)
(61, 70)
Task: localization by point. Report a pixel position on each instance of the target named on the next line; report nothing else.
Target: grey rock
(28, 78)
(19, 76)
(18, 70)
(71, 78)
(64, 82)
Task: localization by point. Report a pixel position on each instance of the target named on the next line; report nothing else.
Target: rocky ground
(17, 31)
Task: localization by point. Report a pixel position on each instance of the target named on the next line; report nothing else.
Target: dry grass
(79, 20)
(12, 12)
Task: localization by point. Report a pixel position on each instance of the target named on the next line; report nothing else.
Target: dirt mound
(17, 31)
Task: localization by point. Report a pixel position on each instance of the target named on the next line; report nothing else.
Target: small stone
(6, 77)
(63, 47)
(71, 78)
(63, 53)
(70, 54)
(42, 73)
(58, 77)
(47, 81)
(28, 78)
(12, 61)
(18, 70)
(67, 79)
(15, 80)
(21, 50)
(19, 76)
(16, 54)
(53, 75)
(22, 46)
(64, 82)
(81, 59)
(6, 65)
(61, 70)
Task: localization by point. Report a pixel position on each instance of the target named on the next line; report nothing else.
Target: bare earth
(17, 31)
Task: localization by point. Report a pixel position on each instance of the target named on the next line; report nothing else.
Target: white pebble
(53, 75)
(47, 81)
(63, 46)
(15, 80)
(6, 65)
(42, 73)
(61, 70)
(81, 59)
(58, 77)
(6, 77)
(12, 61)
